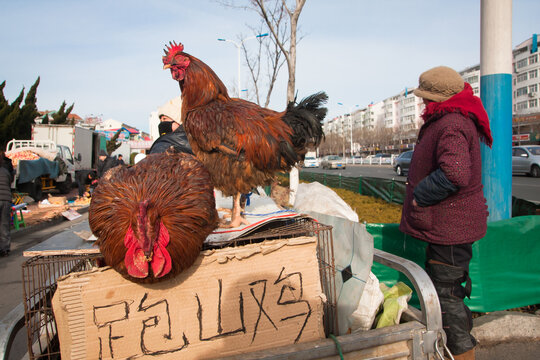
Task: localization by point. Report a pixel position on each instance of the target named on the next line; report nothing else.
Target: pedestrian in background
(105, 163)
(85, 177)
(120, 159)
(444, 204)
(6, 178)
(171, 130)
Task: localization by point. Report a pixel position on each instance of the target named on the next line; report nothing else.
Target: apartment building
(525, 92)
(401, 112)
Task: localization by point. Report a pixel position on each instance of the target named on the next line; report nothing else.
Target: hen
(151, 219)
(240, 143)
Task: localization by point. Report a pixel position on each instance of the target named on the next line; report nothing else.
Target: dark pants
(5, 224)
(448, 268)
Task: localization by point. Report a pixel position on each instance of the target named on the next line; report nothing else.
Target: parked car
(333, 162)
(403, 161)
(310, 162)
(526, 159)
(381, 158)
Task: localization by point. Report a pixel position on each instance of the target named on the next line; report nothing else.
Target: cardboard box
(231, 301)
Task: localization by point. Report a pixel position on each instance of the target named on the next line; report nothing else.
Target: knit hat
(439, 84)
(103, 153)
(172, 109)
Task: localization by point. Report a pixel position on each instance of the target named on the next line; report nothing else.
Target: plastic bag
(372, 297)
(395, 301)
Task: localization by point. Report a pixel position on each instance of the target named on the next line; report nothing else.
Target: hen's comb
(173, 48)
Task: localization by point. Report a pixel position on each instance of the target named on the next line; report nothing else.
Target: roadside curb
(506, 326)
(45, 224)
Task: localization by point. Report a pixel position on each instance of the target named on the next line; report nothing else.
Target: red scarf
(467, 104)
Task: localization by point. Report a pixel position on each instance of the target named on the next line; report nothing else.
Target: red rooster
(240, 143)
(151, 219)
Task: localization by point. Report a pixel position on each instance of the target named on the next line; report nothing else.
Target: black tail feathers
(305, 119)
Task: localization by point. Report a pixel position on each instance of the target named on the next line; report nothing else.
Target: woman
(445, 204)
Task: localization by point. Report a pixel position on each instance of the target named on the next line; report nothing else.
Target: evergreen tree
(112, 145)
(3, 105)
(10, 116)
(68, 111)
(16, 121)
(29, 113)
(3, 100)
(61, 116)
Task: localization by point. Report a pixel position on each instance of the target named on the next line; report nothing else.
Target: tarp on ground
(504, 269)
(31, 169)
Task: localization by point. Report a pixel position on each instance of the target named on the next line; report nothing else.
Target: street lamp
(350, 123)
(239, 48)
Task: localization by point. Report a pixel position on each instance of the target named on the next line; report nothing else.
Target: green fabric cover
(504, 269)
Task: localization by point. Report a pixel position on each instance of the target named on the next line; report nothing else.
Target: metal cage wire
(41, 273)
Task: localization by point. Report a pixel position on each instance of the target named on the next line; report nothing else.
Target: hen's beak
(165, 67)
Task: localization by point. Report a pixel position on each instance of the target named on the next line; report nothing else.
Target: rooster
(151, 219)
(240, 143)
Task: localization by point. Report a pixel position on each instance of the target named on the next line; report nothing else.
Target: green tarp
(505, 269)
(31, 169)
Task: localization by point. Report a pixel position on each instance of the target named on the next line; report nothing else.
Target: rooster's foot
(234, 223)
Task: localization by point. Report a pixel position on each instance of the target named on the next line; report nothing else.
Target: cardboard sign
(231, 301)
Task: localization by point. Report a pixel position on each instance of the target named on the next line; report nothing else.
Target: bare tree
(281, 19)
(268, 55)
(290, 54)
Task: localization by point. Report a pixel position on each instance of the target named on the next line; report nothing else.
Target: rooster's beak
(165, 67)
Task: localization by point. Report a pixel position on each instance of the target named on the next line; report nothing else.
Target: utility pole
(496, 95)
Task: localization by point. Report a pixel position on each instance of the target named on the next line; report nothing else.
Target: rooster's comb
(173, 48)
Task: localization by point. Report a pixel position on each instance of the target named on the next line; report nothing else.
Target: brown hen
(151, 219)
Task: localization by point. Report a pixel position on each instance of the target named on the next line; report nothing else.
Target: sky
(105, 55)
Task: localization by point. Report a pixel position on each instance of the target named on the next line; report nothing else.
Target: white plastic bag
(372, 297)
(319, 198)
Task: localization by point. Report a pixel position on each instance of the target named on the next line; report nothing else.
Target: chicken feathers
(151, 219)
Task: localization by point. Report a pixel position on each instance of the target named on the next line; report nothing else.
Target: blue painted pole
(496, 94)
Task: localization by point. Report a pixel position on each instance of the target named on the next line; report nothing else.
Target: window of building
(521, 91)
(472, 79)
(522, 77)
(533, 88)
(533, 59)
(475, 90)
(522, 63)
(533, 103)
(521, 105)
(533, 74)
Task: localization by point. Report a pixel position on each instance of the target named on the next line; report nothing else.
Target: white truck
(41, 165)
(83, 143)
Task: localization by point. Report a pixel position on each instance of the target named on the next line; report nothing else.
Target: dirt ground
(36, 213)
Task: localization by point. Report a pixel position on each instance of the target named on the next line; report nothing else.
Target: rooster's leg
(236, 219)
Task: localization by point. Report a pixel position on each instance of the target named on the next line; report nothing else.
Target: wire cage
(40, 275)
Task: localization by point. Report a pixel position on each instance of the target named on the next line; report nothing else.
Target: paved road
(523, 187)
(11, 270)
